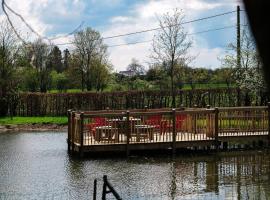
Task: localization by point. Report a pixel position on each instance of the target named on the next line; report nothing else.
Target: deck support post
(81, 134)
(216, 128)
(69, 129)
(174, 132)
(268, 104)
(128, 129)
(72, 131)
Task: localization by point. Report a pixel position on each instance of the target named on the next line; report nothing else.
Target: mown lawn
(34, 120)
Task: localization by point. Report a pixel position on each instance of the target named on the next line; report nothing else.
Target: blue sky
(112, 17)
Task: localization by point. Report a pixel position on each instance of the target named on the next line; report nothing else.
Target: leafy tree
(90, 49)
(55, 60)
(66, 59)
(8, 81)
(40, 52)
(249, 74)
(171, 45)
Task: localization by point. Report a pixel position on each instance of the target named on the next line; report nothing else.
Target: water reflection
(36, 166)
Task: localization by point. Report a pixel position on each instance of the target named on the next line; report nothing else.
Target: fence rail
(165, 126)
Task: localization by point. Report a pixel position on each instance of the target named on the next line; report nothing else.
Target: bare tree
(171, 45)
(90, 48)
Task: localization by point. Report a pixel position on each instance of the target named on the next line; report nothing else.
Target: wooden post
(268, 123)
(69, 129)
(95, 190)
(216, 127)
(72, 131)
(128, 129)
(174, 132)
(81, 134)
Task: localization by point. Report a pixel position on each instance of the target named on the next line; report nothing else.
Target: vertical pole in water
(268, 104)
(81, 134)
(216, 127)
(69, 129)
(128, 129)
(174, 132)
(95, 190)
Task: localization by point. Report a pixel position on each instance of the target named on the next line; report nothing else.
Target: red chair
(154, 120)
(179, 121)
(98, 121)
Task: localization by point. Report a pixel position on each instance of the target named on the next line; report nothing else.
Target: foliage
(59, 81)
(90, 52)
(8, 82)
(249, 74)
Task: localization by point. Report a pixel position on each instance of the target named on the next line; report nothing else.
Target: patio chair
(179, 121)
(97, 121)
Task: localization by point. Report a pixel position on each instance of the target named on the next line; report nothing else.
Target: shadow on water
(37, 166)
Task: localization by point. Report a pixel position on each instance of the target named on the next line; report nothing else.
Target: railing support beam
(128, 129)
(216, 128)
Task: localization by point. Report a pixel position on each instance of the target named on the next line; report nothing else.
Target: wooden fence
(165, 127)
(38, 104)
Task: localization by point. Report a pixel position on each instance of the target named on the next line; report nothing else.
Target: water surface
(37, 166)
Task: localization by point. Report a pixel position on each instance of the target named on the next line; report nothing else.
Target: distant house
(128, 73)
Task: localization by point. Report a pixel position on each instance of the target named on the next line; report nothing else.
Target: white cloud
(144, 16)
(207, 57)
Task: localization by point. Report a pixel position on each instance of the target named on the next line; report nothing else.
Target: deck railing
(165, 125)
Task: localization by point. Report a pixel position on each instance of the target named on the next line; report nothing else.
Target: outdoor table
(143, 131)
(121, 123)
(106, 133)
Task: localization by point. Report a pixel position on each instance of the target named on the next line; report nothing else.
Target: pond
(37, 166)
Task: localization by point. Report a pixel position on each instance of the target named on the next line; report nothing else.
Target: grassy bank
(33, 120)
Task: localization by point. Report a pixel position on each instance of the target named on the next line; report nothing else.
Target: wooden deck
(130, 130)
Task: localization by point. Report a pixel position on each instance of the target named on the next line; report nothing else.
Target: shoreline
(32, 127)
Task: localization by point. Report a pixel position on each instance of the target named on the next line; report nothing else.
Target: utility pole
(238, 39)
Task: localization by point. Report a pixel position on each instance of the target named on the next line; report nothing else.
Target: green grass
(33, 120)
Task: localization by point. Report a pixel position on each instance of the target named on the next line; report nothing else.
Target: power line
(158, 28)
(147, 41)
(30, 27)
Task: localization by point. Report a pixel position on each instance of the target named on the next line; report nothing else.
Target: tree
(248, 75)
(90, 49)
(8, 53)
(55, 60)
(40, 52)
(171, 45)
(66, 59)
(136, 67)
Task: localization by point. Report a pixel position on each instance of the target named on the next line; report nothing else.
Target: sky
(52, 18)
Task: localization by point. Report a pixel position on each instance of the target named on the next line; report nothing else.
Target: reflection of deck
(183, 140)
